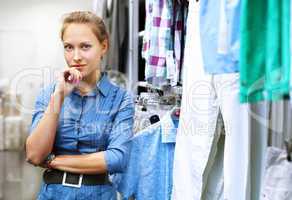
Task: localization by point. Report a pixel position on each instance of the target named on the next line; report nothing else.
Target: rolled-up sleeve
(117, 153)
(40, 106)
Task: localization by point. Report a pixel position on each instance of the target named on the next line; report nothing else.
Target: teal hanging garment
(265, 50)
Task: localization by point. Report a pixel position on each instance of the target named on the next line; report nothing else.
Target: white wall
(29, 41)
(29, 33)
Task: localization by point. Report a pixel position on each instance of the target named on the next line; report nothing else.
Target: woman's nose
(76, 56)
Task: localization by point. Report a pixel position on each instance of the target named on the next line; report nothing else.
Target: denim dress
(99, 121)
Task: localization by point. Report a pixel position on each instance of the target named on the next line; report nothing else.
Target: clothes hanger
(177, 91)
(175, 111)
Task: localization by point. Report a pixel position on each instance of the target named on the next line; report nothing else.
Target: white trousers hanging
(204, 97)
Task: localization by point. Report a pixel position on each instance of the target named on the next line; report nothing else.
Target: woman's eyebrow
(66, 43)
(85, 42)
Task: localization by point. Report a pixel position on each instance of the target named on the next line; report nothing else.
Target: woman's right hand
(67, 81)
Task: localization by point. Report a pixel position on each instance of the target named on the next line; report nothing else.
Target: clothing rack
(133, 45)
(166, 96)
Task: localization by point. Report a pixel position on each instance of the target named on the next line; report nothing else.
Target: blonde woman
(82, 123)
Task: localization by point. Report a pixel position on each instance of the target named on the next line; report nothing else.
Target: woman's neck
(89, 82)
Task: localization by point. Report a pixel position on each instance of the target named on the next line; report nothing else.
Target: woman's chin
(84, 74)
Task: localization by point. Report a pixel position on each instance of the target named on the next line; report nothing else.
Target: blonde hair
(86, 17)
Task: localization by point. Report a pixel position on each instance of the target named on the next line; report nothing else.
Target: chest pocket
(107, 110)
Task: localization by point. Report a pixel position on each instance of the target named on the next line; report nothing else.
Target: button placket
(78, 122)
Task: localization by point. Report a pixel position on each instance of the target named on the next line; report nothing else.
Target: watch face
(50, 158)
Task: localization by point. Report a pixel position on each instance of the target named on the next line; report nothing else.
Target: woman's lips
(78, 67)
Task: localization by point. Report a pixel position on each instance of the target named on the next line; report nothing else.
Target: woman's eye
(68, 47)
(86, 46)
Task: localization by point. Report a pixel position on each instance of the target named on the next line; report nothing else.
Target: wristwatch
(49, 159)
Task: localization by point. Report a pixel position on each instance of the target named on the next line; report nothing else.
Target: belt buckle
(72, 185)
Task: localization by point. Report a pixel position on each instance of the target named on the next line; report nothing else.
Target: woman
(82, 123)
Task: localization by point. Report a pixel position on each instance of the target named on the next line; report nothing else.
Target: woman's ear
(104, 47)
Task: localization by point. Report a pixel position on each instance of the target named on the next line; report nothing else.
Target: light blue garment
(149, 172)
(216, 62)
(99, 121)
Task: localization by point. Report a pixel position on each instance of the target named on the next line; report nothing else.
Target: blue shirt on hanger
(149, 172)
(220, 31)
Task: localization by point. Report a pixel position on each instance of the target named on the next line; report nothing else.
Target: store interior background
(31, 54)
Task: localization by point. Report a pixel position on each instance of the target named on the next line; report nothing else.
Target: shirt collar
(103, 86)
(168, 128)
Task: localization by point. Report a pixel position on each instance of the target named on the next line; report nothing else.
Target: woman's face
(82, 49)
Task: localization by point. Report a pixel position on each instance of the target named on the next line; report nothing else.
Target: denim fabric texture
(102, 120)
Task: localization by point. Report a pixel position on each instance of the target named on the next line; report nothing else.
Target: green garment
(265, 50)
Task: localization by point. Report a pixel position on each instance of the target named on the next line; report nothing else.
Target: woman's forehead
(79, 32)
